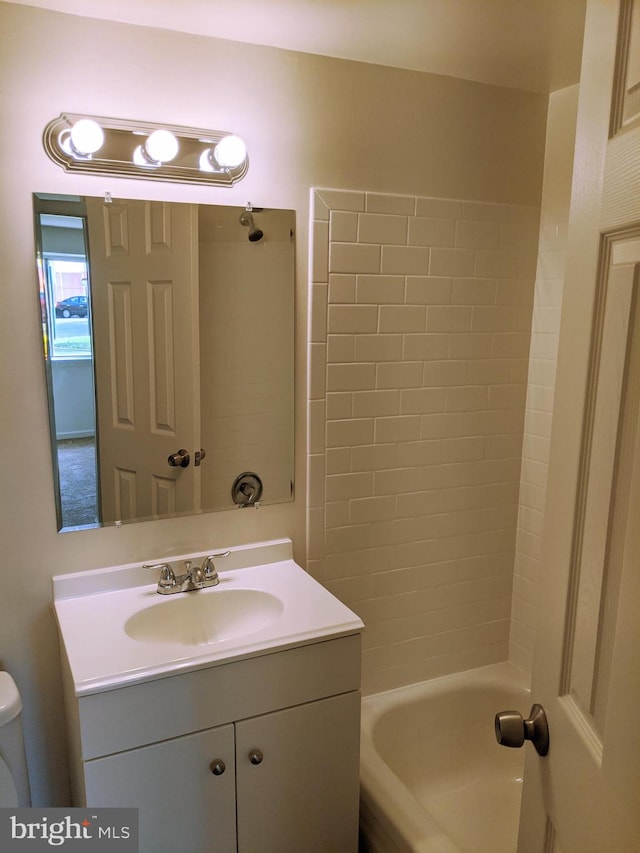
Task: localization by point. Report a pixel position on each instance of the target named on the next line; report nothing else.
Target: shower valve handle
(511, 730)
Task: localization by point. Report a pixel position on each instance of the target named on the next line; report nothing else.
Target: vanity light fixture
(130, 149)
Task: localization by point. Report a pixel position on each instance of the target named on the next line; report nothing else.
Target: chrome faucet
(193, 577)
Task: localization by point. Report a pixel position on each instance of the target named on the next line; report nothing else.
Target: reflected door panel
(145, 310)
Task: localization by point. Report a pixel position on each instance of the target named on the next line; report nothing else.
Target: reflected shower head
(255, 234)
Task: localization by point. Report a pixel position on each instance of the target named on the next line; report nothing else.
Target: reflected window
(68, 306)
(65, 300)
(65, 282)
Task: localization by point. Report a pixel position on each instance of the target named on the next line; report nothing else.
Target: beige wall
(554, 223)
(308, 121)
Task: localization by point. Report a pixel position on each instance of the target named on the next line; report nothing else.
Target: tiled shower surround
(537, 436)
(419, 335)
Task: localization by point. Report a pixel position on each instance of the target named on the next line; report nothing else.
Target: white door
(144, 282)
(584, 796)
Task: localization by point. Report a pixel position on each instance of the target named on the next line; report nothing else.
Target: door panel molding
(121, 354)
(590, 565)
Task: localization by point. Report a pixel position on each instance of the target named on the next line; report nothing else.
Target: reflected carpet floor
(78, 483)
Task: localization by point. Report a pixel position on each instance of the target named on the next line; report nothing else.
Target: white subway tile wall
(553, 239)
(419, 337)
(537, 436)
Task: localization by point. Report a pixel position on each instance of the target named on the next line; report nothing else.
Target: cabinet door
(303, 793)
(182, 804)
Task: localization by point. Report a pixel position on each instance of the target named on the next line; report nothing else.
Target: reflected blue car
(73, 306)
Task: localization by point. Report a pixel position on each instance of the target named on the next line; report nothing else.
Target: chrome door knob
(511, 730)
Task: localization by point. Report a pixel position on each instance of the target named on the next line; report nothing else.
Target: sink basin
(211, 616)
(117, 631)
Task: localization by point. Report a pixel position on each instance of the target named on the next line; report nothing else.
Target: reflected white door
(584, 796)
(144, 280)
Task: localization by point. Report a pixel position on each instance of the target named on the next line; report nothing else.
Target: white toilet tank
(14, 781)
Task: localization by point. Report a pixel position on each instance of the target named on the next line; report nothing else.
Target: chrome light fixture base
(193, 163)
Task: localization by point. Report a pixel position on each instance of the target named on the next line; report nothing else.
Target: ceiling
(526, 44)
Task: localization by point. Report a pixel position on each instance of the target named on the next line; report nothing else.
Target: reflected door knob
(512, 730)
(180, 459)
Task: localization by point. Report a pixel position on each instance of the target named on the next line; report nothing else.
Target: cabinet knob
(256, 756)
(217, 767)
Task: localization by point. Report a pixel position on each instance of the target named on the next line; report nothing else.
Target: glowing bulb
(161, 146)
(87, 137)
(230, 152)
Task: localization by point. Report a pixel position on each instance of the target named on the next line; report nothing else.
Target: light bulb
(230, 152)
(161, 146)
(205, 161)
(87, 137)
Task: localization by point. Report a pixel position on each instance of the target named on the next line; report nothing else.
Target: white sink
(208, 616)
(117, 630)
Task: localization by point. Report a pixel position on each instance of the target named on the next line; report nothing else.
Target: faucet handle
(167, 577)
(194, 574)
(209, 567)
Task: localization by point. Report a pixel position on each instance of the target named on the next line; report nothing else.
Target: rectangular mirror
(168, 343)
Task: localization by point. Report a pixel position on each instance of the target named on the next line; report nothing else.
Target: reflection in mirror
(168, 343)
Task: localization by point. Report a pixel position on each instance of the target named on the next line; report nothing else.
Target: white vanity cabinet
(285, 725)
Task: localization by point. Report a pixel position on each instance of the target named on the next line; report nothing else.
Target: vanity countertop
(96, 610)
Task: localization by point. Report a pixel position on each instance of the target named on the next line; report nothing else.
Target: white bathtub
(433, 778)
